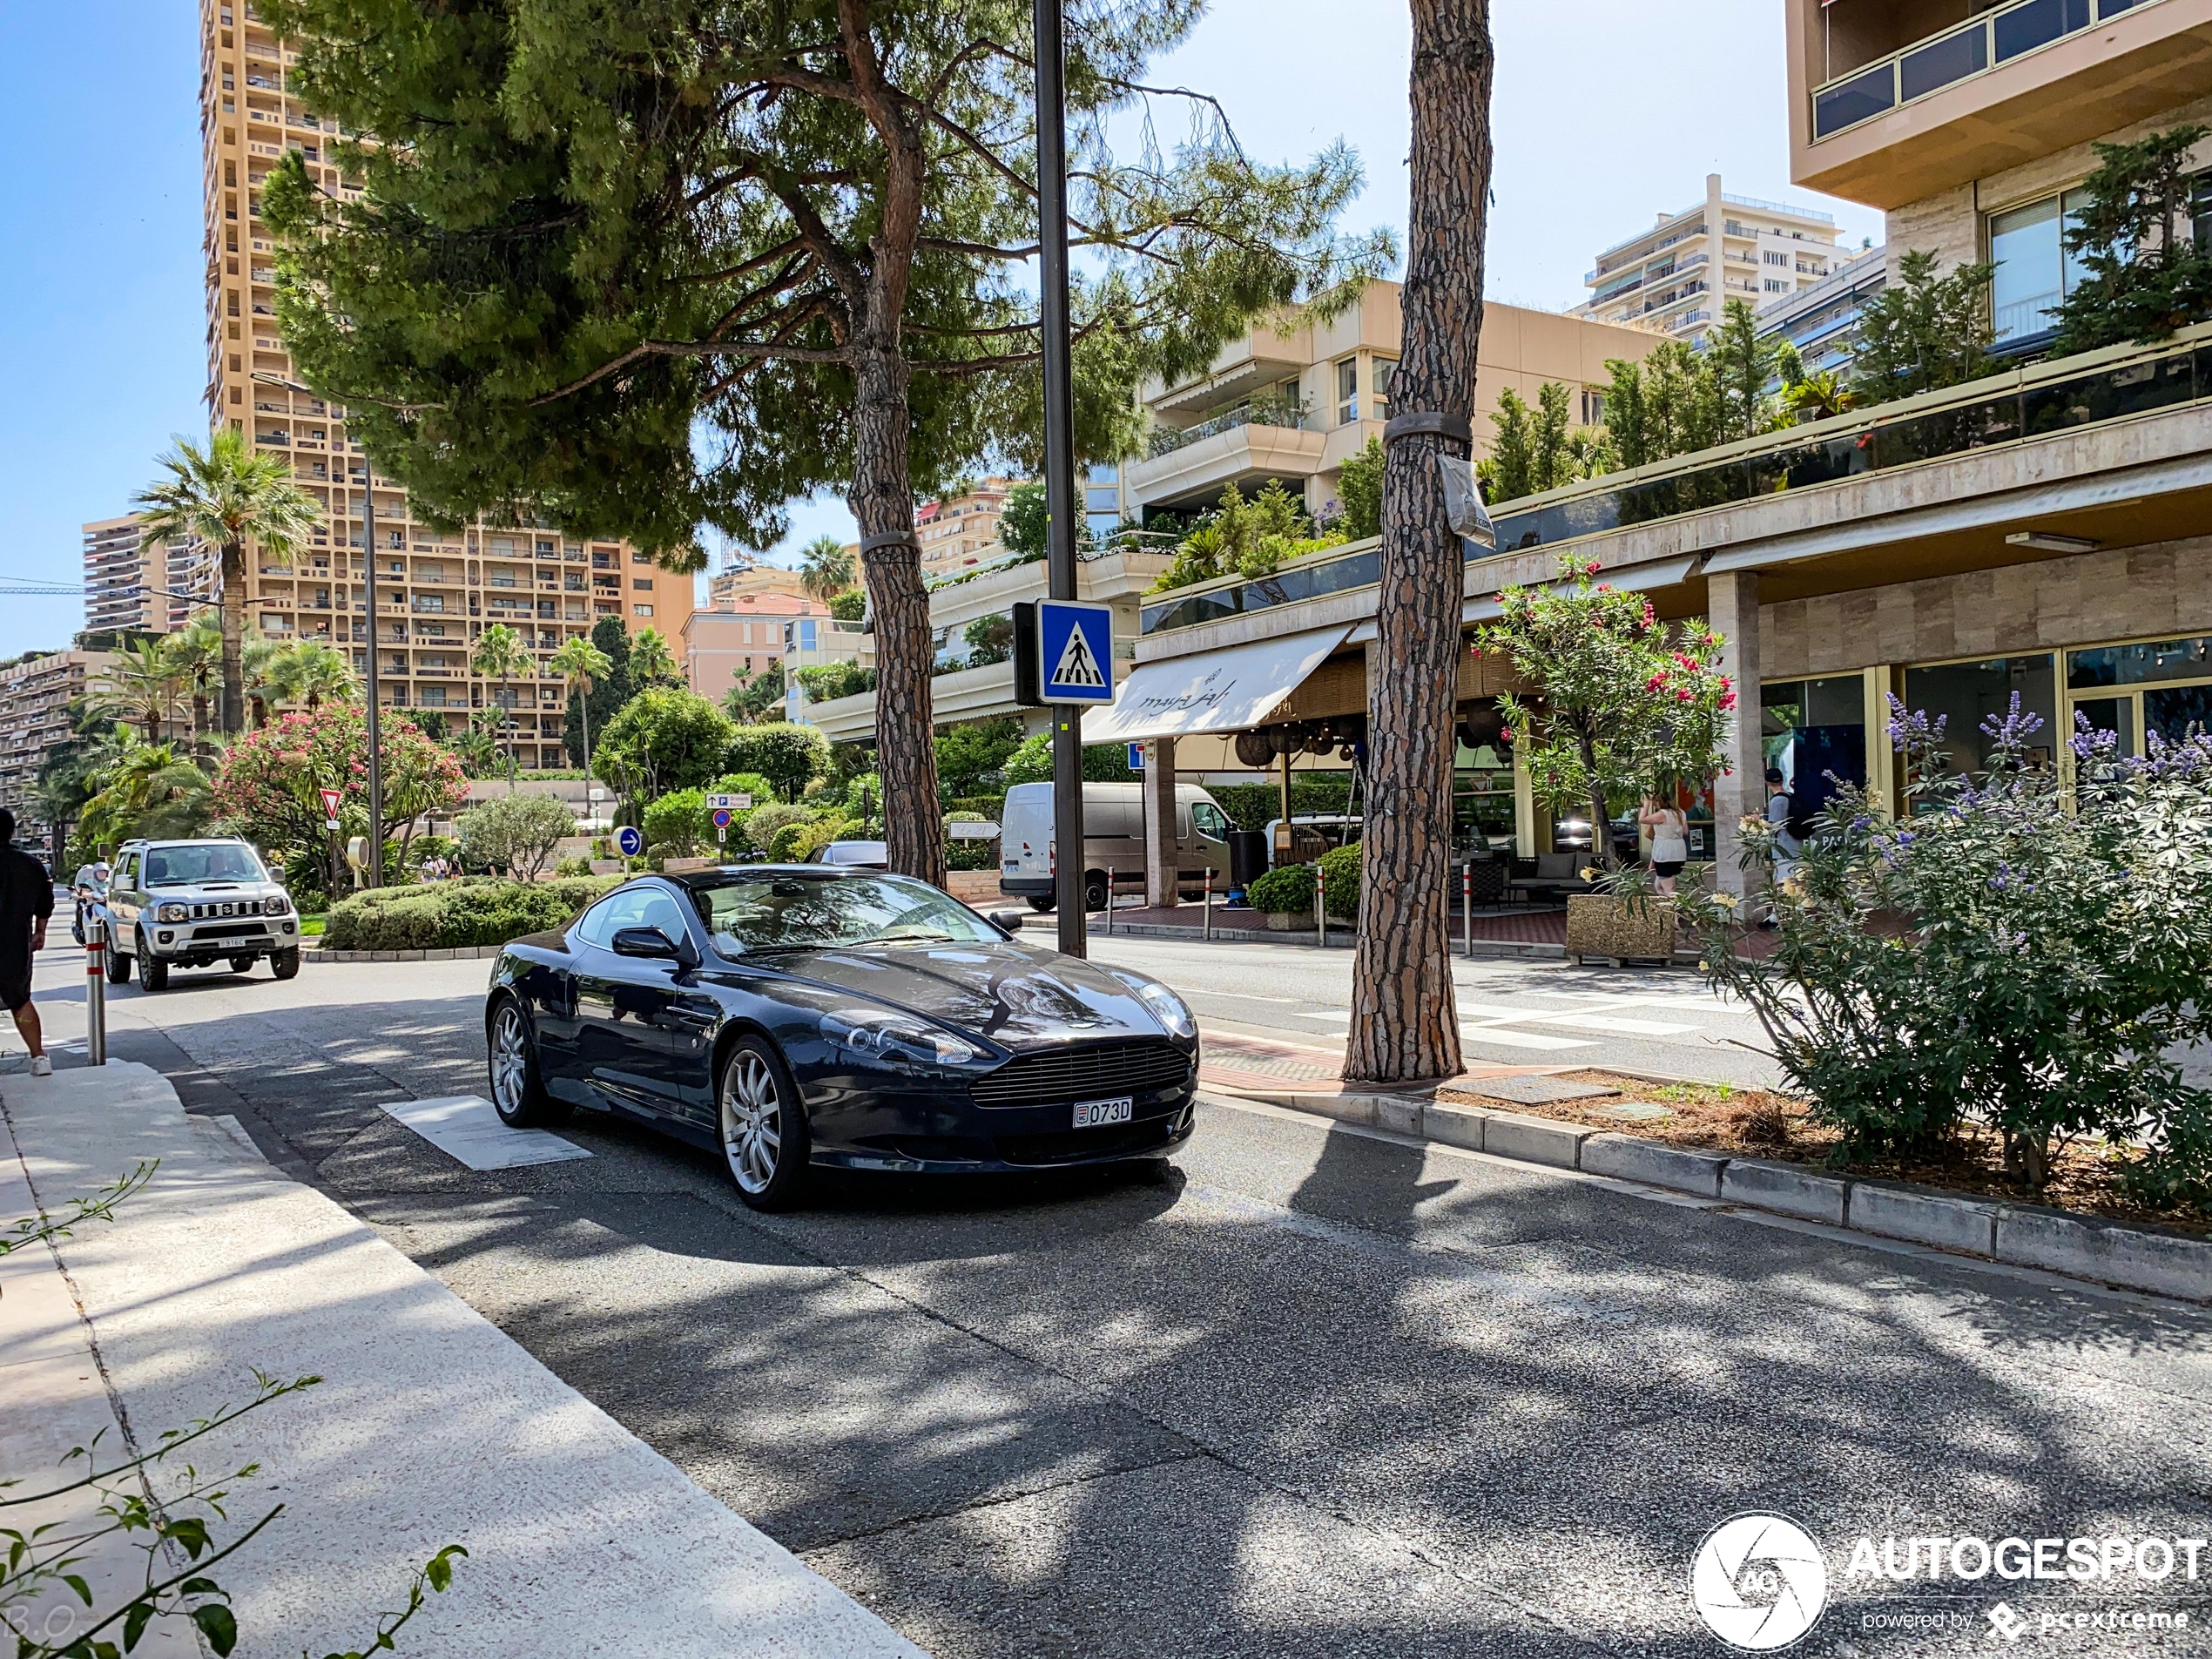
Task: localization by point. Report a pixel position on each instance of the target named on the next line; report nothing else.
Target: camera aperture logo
(1759, 1582)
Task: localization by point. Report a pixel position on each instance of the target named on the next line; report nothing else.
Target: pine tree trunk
(233, 623)
(882, 502)
(1405, 1021)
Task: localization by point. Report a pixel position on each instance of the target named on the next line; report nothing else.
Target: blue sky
(1605, 113)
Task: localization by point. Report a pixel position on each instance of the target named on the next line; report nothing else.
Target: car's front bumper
(211, 942)
(1015, 1152)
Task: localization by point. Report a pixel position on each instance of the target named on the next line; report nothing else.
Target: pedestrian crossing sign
(1076, 650)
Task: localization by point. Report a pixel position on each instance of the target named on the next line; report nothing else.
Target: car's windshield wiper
(900, 939)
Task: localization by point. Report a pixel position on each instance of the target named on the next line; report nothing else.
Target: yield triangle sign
(1078, 667)
(330, 797)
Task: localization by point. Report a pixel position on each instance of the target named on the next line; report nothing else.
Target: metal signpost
(724, 809)
(1059, 460)
(330, 799)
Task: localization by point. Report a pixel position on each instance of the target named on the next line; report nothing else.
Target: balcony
(1885, 121)
(2109, 446)
(1246, 452)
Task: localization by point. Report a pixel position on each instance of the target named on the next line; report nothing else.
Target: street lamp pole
(1059, 463)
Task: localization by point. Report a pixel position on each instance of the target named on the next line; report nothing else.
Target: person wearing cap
(26, 901)
(1786, 846)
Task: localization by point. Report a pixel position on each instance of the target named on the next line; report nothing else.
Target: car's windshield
(751, 914)
(180, 866)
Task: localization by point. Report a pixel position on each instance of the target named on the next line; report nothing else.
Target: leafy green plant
(1923, 332)
(989, 639)
(764, 822)
(2000, 957)
(1618, 705)
(1340, 882)
(1103, 762)
(824, 682)
(514, 834)
(972, 757)
(2147, 274)
(177, 1534)
(676, 823)
(1360, 487)
(1288, 891)
(789, 757)
(449, 916)
(1253, 538)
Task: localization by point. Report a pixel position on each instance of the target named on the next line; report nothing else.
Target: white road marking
(1504, 1039)
(465, 1128)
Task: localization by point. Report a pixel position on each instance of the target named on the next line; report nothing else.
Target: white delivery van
(1113, 839)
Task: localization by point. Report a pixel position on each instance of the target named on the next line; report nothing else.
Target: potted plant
(1614, 705)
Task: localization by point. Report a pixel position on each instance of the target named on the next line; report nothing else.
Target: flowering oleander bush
(2011, 955)
(1624, 706)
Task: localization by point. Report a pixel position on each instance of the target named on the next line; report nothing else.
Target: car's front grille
(226, 907)
(1092, 1073)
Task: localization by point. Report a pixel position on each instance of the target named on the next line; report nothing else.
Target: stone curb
(458, 954)
(1339, 939)
(2021, 1235)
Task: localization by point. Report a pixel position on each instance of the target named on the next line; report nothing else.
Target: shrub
(455, 914)
(789, 757)
(797, 842)
(762, 822)
(573, 866)
(1340, 881)
(1287, 890)
(675, 824)
(517, 833)
(1998, 958)
(662, 740)
(969, 855)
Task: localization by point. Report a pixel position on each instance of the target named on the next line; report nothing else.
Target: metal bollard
(1206, 929)
(1109, 901)
(1466, 906)
(1320, 909)
(95, 990)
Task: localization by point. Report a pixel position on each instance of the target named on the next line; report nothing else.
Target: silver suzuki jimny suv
(191, 904)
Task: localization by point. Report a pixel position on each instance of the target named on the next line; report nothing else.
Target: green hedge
(1289, 890)
(1252, 806)
(448, 915)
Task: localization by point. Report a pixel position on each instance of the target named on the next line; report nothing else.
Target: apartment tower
(437, 592)
(1674, 277)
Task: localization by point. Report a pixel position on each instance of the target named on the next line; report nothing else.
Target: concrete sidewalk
(432, 1428)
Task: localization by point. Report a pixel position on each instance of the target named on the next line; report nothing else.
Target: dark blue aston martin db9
(799, 1016)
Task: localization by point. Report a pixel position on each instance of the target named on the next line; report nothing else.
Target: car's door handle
(701, 1017)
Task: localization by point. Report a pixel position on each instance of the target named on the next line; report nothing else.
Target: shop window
(2175, 712)
(2161, 659)
(1814, 734)
(1969, 695)
(2113, 714)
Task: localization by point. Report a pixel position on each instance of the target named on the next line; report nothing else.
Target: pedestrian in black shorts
(26, 899)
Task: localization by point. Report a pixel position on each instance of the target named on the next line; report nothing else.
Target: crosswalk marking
(465, 1128)
(1503, 1038)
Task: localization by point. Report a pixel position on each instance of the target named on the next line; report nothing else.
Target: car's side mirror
(1009, 919)
(646, 942)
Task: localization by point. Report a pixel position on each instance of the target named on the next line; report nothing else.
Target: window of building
(1385, 369)
(2034, 272)
(1108, 500)
(1593, 407)
(1969, 694)
(1347, 391)
(641, 610)
(1777, 286)
(1772, 258)
(643, 584)
(1105, 473)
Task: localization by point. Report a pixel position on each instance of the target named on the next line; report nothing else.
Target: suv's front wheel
(118, 966)
(286, 963)
(153, 972)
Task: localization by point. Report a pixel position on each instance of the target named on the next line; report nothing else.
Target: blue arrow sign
(630, 841)
(1075, 650)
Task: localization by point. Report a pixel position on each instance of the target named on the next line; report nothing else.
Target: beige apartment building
(1293, 402)
(959, 532)
(436, 591)
(35, 698)
(1674, 278)
(135, 590)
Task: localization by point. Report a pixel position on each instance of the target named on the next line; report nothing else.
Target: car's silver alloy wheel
(511, 1063)
(752, 1123)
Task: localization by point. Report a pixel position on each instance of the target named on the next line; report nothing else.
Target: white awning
(1215, 691)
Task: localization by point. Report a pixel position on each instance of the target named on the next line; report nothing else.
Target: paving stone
(1634, 1111)
(1535, 1091)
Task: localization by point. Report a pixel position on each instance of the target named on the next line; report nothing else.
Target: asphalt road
(1308, 1392)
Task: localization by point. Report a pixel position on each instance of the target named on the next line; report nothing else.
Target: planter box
(977, 887)
(1600, 925)
(1290, 921)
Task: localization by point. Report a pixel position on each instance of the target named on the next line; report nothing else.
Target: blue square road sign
(1075, 652)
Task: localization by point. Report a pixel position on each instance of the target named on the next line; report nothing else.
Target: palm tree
(226, 496)
(579, 663)
(197, 650)
(149, 790)
(824, 568)
(147, 679)
(263, 661)
(651, 663)
(310, 672)
(499, 655)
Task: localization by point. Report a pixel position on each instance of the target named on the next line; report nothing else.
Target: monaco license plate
(1096, 1113)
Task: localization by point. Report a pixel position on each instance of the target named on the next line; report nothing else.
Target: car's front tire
(517, 1086)
(119, 967)
(765, 1138)
(153, 972)
(286, 963)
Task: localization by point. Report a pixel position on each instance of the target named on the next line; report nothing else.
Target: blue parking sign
(1075, 652)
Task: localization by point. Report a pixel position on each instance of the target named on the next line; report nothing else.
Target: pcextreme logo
(1758, 1581)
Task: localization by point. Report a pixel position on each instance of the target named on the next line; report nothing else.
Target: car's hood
(1017, 995)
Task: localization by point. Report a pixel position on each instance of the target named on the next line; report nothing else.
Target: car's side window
(658, 910)
(593, 927)
(126, 874)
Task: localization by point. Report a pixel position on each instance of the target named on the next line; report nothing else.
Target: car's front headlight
(1166, 1006)
(275, 905)
(174, 913)
(888, 1035)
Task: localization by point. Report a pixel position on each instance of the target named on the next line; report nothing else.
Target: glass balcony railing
(1279, 412)
(1996, 37)
(2026, 403)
